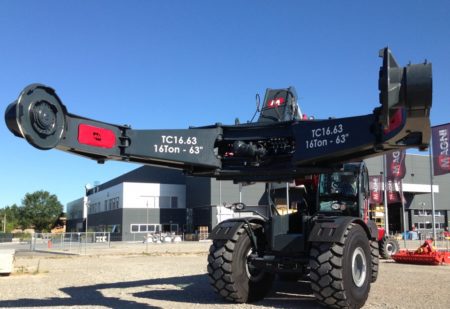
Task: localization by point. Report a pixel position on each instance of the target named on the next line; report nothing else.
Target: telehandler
(335, 242)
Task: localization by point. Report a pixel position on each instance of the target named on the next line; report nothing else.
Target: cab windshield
(338, 193)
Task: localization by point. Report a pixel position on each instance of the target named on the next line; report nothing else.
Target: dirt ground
(174, 276)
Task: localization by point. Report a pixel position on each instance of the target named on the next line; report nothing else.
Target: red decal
(395, 122)
(275, 102)
(95, 136)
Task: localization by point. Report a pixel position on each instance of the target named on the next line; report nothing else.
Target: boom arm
(267, 150)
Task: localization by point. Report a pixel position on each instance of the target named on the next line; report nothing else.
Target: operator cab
(280, 105)
(344, 192)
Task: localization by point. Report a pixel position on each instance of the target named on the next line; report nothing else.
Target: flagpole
(386, 217)
(432, 191)
(403, 210)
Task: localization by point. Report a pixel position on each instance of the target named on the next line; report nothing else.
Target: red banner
(440, 147)
(376, 194)
(395, 164)
(392, 195)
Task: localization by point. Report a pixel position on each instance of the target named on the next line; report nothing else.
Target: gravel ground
(174, 276)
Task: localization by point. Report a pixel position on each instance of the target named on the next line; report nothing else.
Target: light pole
(423, 205)
(146, 228)
(86, 204)
(87, 216)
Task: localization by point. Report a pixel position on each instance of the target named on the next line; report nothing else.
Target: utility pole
(4, 222)
(146, 239)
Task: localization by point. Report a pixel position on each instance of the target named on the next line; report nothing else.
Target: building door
(395, 215)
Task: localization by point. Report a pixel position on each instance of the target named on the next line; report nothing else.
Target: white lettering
(443, 142)
(396, 156)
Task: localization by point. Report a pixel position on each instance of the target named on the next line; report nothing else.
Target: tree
(41, 209)
(13, 216)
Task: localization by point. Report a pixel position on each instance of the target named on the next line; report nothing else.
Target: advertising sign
(440, 147)
(395, 164)
(392, 195)
(376, 194)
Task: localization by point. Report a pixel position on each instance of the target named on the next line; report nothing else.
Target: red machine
(426, 254)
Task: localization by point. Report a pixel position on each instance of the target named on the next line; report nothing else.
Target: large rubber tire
(230, 274)
(340, 272)
(375, 253)
(388, 246)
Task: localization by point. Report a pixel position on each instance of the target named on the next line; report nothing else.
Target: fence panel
(77, 243)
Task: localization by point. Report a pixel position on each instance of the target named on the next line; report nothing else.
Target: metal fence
(69, 242)
(6, 237)
(441, 243)
(97, 242)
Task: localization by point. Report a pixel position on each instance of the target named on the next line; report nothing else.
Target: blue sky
(172, 64)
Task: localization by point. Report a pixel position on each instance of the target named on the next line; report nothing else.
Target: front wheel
(341, 272)
(230, 273)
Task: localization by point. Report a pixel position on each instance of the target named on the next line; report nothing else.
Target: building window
(114, 228)
(174, 202)
(427, 212)
(439, 213)
(144, 228)
(111, 204)
(94, 208)
(422, 212)
(425, 225)
(164, 202)
(439, 226)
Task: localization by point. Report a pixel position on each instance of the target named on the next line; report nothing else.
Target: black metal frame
(276, 150)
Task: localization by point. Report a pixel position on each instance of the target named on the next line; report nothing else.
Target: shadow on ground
(184, 290)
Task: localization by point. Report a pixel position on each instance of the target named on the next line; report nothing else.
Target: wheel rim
(253, 273)
(390, 249)
(359, 267)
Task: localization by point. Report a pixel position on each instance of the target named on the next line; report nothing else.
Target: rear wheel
(388, 247)
(341, 272)
(230, 273)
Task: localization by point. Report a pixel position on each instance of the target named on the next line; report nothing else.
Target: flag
(376, 195)
(395, 172)
(395, 165)
(392, 195)
(440, 147)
